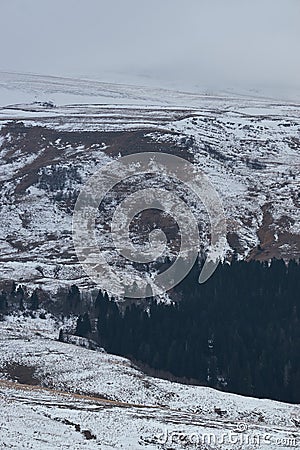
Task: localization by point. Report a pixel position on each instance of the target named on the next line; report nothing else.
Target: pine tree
(34, 301)
(83, 326)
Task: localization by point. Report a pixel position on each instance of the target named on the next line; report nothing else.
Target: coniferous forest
(239, 331)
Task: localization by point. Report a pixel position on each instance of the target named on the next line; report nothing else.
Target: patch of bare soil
(86, 433)
(287, 245)
(20, 373)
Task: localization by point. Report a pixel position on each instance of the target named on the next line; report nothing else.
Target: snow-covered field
(78, 398)
(16, 88)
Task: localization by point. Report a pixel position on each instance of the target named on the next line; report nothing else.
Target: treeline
(237, 332)
(66, 302)
(15, 298)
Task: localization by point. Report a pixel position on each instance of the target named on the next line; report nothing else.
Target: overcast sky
(226, 42)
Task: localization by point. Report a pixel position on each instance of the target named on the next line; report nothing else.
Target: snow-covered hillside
(54, 133)
(248, 147)
(27, 88)
(56, 395)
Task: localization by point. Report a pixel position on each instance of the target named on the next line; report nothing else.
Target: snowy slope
(18, 88)
(93, 399)
(249, 147)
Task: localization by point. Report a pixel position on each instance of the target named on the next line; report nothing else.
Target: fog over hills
(196, 46)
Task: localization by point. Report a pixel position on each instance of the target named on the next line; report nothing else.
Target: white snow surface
(248, 147)
(82, 391)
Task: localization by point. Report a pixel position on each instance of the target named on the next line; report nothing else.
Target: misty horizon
(202, 45)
